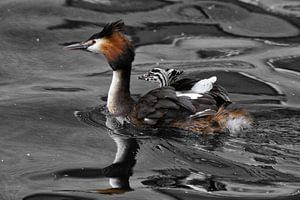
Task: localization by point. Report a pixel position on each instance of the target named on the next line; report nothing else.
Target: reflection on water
(195, 168)
(47, 152)
(289, 63)
(117, 6)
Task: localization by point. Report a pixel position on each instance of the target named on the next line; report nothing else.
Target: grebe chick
(169, 77)
(164, 77)
(160, 107)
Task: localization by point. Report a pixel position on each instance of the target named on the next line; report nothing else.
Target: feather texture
(161, 106)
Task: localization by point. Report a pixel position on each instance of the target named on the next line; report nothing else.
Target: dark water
(48, 153)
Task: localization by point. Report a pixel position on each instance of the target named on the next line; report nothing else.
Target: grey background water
(47, 153)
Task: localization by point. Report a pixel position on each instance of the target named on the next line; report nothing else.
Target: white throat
(119, 102)
(115, 86)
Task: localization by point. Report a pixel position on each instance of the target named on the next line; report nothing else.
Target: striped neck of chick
(164, 77)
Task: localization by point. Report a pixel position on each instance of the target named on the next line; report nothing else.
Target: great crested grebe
(160, 107)
(169, 77)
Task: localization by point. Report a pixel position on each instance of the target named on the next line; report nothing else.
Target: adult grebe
(160, 107)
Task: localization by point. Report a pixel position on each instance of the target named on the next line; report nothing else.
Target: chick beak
(143, 77)
(78, 46)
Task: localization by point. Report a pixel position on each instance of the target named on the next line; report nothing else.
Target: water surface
(47, 152)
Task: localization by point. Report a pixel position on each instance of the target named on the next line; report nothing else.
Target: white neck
(114, 86)
(119, 101)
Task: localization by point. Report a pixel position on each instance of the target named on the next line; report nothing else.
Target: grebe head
(112, 43)
(164, 77)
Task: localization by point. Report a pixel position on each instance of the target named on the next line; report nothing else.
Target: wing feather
(218, 92)
(161, 106)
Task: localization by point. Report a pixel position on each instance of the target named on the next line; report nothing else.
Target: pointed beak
(78, 46)
(144, 76)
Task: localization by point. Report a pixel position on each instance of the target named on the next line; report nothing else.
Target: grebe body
(161, 107)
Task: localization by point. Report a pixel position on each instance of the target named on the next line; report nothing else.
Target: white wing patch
(204, 85)
(189, 94)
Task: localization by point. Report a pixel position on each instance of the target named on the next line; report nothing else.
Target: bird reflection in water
(121, 169)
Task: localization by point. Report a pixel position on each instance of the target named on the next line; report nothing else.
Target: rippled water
(47, 152)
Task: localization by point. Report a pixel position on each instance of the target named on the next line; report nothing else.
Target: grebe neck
(119, 101)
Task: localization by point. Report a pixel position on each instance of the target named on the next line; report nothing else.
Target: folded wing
(162, 106)
(218, 92)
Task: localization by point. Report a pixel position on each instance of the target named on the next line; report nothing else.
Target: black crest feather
(109, 29)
